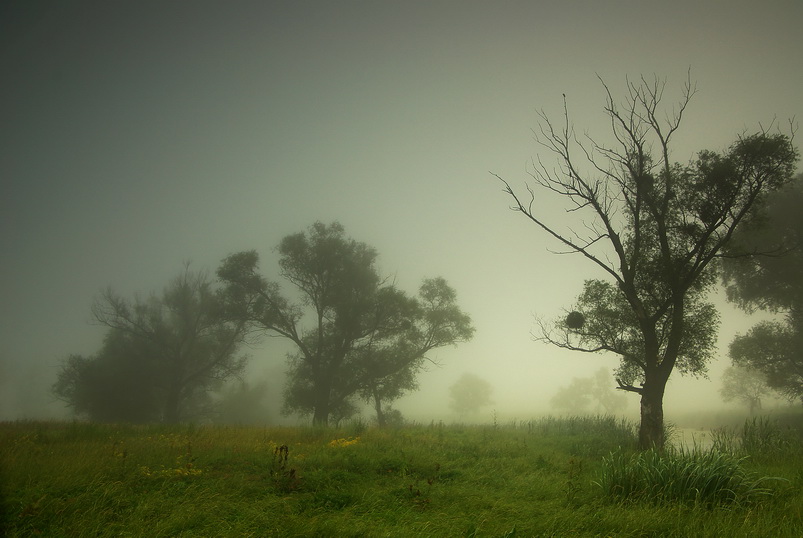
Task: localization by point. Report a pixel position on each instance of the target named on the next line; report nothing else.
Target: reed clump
(687, 476)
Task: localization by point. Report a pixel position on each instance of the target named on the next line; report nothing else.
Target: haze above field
(136, 136)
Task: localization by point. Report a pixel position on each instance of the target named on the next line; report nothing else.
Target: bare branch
(528, 212)
(628, 387)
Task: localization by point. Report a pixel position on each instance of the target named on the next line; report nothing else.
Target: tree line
(356, 335)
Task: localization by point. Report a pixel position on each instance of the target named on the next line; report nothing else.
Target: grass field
(551, 477)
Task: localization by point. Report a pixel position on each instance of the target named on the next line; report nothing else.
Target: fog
(137, 136)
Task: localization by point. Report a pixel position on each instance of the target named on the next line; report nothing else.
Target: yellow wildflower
(344, 442)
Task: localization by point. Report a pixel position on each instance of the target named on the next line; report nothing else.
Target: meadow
(577, 476)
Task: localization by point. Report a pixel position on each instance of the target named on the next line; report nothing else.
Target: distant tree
(774, 348)
(655, 228)
(393, 417)
(121, 383)
(160, 357)
(575, 398)
(243, 403)
(771, 283)
(469, 394)
(354, 333)
(607, 399)
(745, 385)
(582, 393)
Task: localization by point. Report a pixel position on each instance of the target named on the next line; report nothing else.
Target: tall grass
(707, 477)
(759, 437)
(585, 435)
(686, 476)
(588, 425)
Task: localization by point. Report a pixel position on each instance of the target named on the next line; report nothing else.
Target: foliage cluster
(469, 394)
(161, 355)
(771, 283)
(534, 478)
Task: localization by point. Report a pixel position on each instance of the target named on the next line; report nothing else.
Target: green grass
(695, 477)
(538, 478)
(760, 437)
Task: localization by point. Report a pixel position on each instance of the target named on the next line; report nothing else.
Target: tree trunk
(380, 416)
(172, 404)
(755, 405)
(651, 429)
(320, 416)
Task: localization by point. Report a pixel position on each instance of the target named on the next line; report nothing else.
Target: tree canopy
(354, 332)
(469, 394)
(160, 357)
(771, 282)
(655, 228)
(120, 383)
(773, 348)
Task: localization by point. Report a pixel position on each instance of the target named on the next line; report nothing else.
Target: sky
(135, 136)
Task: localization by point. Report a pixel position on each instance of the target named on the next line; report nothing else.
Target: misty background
(138, 135)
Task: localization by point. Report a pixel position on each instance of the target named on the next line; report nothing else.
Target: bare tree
(654, 227)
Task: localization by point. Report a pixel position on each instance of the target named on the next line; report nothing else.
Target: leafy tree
(160, 357)
(745, 385)
(772, 283)
(581, 393)
(439, 319)
(655, 228)
(608, 400)
(353, 332)
(469, 394)
(774, 349)
(575, 398)
(393, 417)
(118, 384)
(243, 403)
(384, 390)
